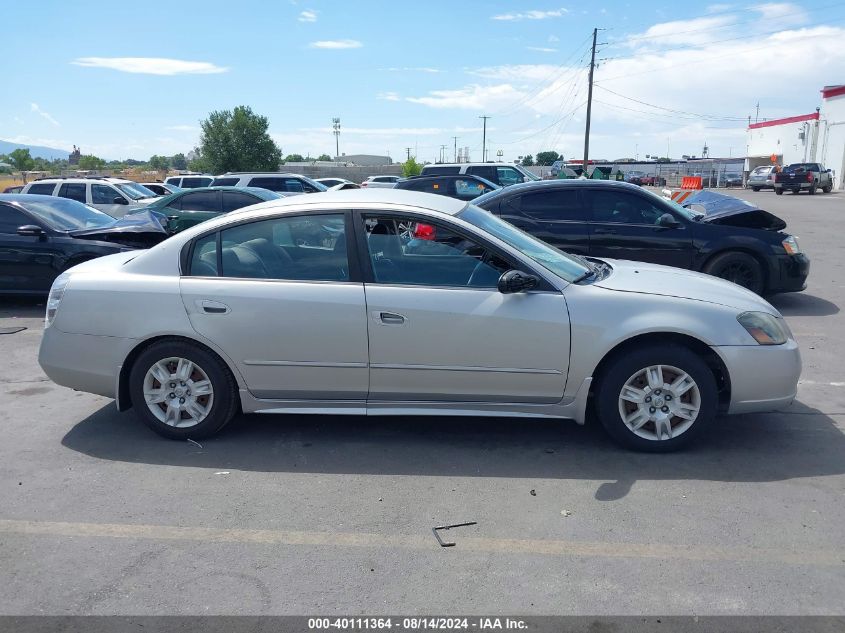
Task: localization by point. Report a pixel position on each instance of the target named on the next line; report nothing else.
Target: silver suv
(115, 196)
(274, 181)
(190, 181)
(502, 174)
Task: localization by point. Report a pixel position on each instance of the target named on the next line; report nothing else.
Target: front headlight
(790, 245)
(765, 328)
(57, 291)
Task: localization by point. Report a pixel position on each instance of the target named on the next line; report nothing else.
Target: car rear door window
(225, 182)
(11, 219)
(469, 188)
(273, 183)
(73, 191)
(173, 181)
(488, 172)
(300, 248)
(440, 171)
(201, 201)
(103, 194)
(204, 260)
(550, 206)
(237, 200)
(42, 188)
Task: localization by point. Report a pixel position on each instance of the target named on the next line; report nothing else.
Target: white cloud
(150, 65)
(309, 15)
(35, 108)
(388, 96)
(698, 31)
(531, 15)
(472, 97)
(541, 49)
(782, 10)
(335, 44)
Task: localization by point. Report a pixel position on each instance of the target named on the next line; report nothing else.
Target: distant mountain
(36, 151)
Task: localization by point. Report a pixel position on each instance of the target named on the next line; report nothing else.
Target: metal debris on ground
(449, 527)
(565, 513)
(11, 330)
(222, 472)
(193, 442)
(532, 492)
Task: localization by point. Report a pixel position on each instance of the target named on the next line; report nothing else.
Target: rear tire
(181, 390)
(779, 192)
(666, 393)
(827, 189)
(755, 188)
(740, 268)
(812, 190)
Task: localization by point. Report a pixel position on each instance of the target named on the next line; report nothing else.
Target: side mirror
(827, 170)
(30, 230)
(668, 221)
(120, 200)
(516, 281)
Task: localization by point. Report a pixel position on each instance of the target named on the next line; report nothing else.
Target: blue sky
(128, 81)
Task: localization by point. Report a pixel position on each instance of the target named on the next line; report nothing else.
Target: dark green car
(186, 208)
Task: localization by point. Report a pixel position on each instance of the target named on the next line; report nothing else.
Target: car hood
(653, 279)
(720, 208)
(138, 230)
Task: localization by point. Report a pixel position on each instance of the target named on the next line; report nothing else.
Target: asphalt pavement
(334, 515)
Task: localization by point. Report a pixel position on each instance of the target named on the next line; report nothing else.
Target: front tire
(827, 189)
(755, 188)
(656, 399)
(740, 268)
(181, 390)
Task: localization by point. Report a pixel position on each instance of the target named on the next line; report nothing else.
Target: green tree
(547, 158)
(237, 140)
(159, 163)
(91, 162)
(411, 167)
(528, 161)
(198, 162)
(21, 160)
(178, 161)
(324, 157)
(294, 158)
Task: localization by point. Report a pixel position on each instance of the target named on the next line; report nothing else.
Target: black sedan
(462, 187)
(41, 236)
(717, 234)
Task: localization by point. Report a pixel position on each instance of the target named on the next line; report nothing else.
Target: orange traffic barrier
(681, 195)
(691, 182)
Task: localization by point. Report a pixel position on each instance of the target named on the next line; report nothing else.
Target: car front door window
(73, 191)
(103, 194)
(623, 208)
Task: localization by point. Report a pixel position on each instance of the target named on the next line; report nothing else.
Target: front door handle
(213, 307)
(389, 318)
(604, 231)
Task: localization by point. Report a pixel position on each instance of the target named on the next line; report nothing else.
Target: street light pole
(484, 140)
(336, 132)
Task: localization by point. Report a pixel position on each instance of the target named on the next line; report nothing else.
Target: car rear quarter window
(11, 219)
(551, 206)
(73, 191)
(273, 183)
(173, 181)
(233, 200)
(42, 188)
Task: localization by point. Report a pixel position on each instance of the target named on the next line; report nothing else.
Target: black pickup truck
(806, 176)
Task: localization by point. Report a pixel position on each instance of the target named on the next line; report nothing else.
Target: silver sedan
(392, 302)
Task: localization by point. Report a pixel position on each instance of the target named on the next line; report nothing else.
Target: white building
(818, 137)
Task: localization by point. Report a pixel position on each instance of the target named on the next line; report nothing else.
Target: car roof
(22, 199)
(259, 173)
(565, 183)
(356, 198)
(78, 179)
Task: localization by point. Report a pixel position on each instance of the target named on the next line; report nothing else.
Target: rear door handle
(213, 307)
(389, 318)
(604, 231)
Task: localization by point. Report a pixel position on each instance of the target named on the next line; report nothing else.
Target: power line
(712, 117)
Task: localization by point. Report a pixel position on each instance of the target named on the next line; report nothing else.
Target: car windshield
(64, 214)
(135, 191)
(797, 168)
(317, 185)
(689, 214)
(761, 170)
(561, 264)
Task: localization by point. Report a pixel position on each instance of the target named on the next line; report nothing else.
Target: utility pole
(336, 132)
(757, 116)
(443, 153)
(590, 102)
(408, 149)
(455, 138)
(484, 140)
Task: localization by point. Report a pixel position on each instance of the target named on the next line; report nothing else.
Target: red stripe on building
(833, 91)
(789, 119)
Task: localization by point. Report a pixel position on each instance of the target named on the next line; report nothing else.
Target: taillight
(776, 178)
(424, 232)
(365, 183)
(809, 177)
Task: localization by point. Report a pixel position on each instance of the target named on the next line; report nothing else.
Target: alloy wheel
(659, 402)
(178, 392)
